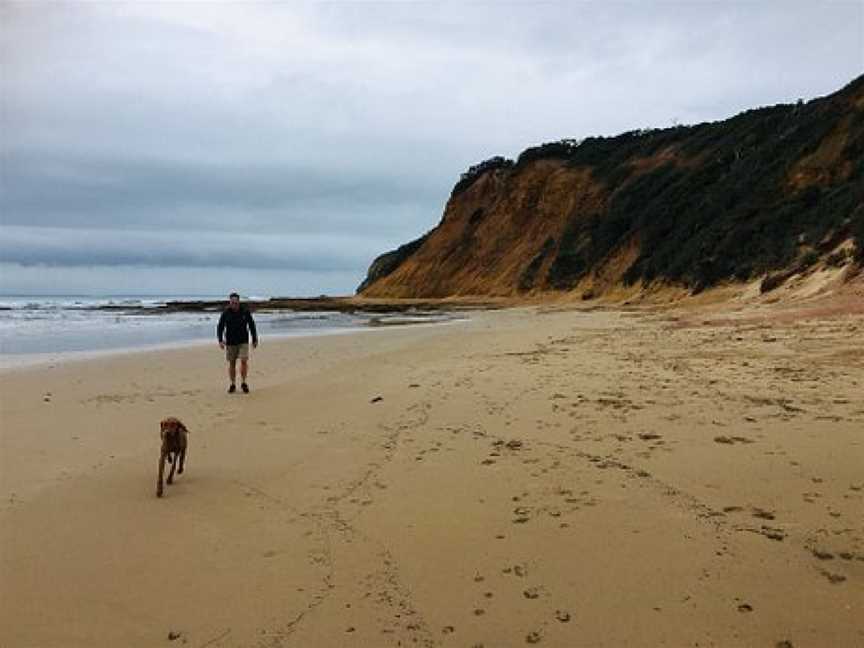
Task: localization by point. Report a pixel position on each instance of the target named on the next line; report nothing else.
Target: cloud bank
(307, 138)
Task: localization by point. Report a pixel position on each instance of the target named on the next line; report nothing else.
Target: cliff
(765, 194)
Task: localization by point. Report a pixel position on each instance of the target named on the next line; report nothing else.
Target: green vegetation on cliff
(766, 191)
(723, 207)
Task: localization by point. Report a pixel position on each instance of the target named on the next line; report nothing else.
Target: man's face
(234, 303)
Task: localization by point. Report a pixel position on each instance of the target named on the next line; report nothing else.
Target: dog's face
(172, 428)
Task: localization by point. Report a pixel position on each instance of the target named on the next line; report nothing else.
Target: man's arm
(220, 327)
(252, 329)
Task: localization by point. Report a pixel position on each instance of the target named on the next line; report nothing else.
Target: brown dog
(173, 434)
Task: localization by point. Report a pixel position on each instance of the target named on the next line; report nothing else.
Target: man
(237, 323)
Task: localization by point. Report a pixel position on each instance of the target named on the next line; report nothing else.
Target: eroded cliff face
(765, 191)
(496, 237)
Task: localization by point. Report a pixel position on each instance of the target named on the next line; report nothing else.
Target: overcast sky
(277, 148)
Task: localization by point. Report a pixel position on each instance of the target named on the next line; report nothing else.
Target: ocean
(39, 326)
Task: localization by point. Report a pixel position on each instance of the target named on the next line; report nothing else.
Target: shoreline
(11, 362)
(337, 304)
(568, 477)
(59, 332)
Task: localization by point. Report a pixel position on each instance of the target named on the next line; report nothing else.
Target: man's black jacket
(237, 325)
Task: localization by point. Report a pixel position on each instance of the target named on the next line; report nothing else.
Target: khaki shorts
(234, 351)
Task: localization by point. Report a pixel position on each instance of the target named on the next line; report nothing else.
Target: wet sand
(532, 476)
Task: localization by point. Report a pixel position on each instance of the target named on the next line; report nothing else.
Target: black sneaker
(245, 388)
(232, 388)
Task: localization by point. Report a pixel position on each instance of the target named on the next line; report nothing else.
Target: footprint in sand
(732, 440)
(834, 579)
(517, 570)
(763, 514)
(822, 555)
(773, 533)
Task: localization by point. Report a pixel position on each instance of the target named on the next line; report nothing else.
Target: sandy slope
(560, 477)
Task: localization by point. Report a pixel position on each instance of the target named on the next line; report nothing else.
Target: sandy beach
(542, 475)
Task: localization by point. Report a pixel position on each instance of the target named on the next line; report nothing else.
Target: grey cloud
(64, 247)
(345, 125)
(45, 190)
(16, 279)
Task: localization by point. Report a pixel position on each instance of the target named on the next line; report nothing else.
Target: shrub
(529, 274)
(562, 149)
(475, 172)
(837, 259)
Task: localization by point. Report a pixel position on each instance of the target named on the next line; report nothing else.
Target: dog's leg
(161, 473)
(170, 479)
(182, 460)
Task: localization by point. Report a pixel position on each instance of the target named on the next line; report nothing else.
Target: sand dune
(531, 476)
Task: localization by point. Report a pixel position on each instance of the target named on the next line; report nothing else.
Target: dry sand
(561, 477)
